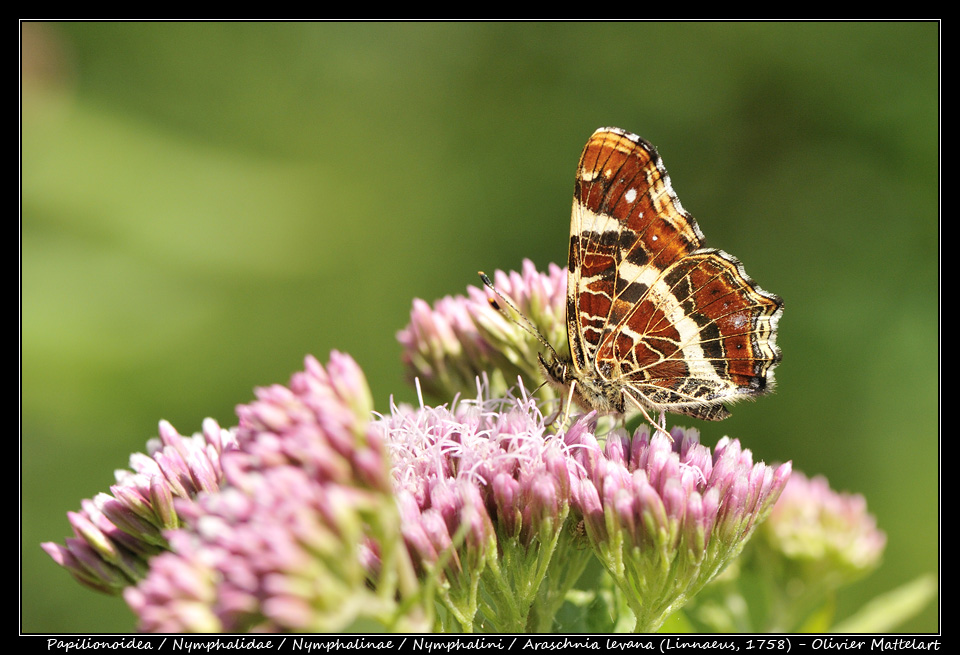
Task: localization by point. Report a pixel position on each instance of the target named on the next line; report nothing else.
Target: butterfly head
(556, 371)
(590, 392)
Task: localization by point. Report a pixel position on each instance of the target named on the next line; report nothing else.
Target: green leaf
(885, 612)
(820, 619)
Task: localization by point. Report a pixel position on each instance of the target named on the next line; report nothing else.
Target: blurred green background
(204, 204)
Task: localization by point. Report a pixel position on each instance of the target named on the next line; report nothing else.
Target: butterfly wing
(704, 334)
(675, 327)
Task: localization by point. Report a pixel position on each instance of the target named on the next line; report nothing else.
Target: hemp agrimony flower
(829, 535)
(316, 514)
(304, 536)
(814, 541)
(484, 492)
(447, 346)
(117, 533)
(665, 517)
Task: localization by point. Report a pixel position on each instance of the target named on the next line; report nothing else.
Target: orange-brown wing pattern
(655, 320)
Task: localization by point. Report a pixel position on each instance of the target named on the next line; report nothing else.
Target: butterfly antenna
(527, 325)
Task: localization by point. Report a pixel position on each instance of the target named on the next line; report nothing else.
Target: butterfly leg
(663, 424)
(566, 407)
(563, 412)
(656, 426)
(659, 426)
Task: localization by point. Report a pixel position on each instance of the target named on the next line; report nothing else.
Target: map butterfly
(654, 320)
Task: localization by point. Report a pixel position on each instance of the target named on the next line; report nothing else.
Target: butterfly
(655, 321)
